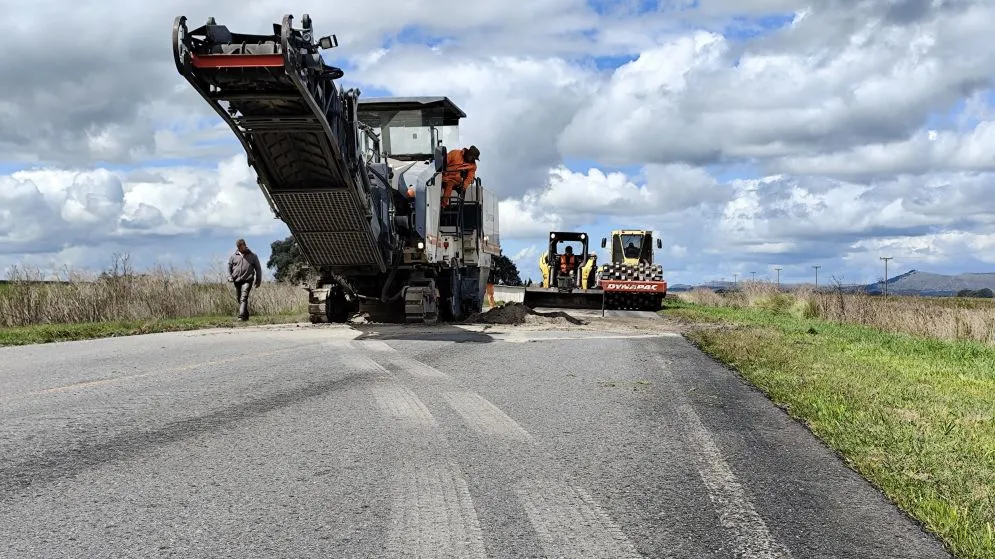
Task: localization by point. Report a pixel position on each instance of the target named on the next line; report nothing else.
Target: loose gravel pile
(517, 313)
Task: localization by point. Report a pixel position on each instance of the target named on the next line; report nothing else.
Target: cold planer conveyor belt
(284, 108)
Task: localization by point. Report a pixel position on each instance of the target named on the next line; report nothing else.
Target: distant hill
(915, 282)
(912, 282)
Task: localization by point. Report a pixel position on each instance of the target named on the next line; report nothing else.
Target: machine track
(285, 109)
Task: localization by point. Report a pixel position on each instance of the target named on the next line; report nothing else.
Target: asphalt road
(406, 442)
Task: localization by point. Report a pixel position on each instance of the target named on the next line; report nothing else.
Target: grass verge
(913, 415)
(46, 333)
(125, 296)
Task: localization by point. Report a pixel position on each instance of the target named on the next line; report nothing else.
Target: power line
(886, 259)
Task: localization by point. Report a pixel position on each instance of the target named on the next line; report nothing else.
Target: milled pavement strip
(484, 417)
(403, 405)
(373, 346)
(415, 367)
(356, 360)
(431, 507)
(567, 520)
(190, 367)
(433, 514)
(751, 536)
(569, 523)
(387, 357)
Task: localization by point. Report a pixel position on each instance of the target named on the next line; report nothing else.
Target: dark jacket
(245, 267)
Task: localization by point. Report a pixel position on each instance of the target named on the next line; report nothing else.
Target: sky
(748, 134)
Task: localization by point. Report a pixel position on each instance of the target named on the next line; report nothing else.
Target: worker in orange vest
(568, 262)
(461, 167)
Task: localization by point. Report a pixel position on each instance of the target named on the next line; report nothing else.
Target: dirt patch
(518, 314)
(553, 318)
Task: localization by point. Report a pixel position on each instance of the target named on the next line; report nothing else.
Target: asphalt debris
(519, 314)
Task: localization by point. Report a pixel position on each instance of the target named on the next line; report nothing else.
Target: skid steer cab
(568, 264)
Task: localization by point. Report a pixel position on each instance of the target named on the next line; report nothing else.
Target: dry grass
(936, 318)
(120, 294)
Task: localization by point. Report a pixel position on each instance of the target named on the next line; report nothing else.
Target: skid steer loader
(575, 289)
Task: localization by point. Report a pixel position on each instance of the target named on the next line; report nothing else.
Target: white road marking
(403, 405)
(484, 417)
(569, 523)
(751, 536)
(433, 514)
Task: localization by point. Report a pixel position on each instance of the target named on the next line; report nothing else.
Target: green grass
(45, 333)
(915, 416)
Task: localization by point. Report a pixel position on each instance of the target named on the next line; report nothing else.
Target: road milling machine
(575, 289)
(358, 182)
(632, 281)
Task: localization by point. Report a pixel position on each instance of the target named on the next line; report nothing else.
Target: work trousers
(448, 186)
(242, 290)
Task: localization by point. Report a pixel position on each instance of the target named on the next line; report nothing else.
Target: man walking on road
(244, 269)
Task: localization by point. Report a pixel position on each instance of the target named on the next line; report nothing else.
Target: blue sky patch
(612, 63)
(609, 7)
(415, 35)
(584, 165)
(727, 173)
(743, 28)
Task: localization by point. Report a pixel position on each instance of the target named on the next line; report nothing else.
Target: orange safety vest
(565, 265)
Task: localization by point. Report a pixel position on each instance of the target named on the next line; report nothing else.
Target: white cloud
(701, 98)
(523, 219)
(516, 106)
(793, 221)
(928, 151)
(45, 210)
(844, 112)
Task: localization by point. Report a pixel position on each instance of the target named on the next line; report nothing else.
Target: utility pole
(735, 279)
(886, 259)
(754, 276)
(817, 276)
(778, 268)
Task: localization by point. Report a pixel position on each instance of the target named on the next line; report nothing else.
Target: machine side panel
(491, 242)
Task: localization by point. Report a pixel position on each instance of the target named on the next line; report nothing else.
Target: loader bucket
(539, 297)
